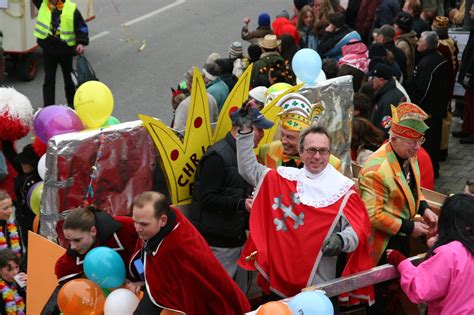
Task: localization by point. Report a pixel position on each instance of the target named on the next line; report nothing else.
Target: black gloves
(332, 246)
(244, 117)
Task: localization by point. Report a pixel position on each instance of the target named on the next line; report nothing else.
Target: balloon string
(89, 196)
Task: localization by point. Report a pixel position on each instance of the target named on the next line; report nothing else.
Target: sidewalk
(457, 169)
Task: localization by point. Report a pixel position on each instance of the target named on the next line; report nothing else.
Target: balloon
(311, 303)
(36, 223)
(105, 267)
(321, 78)
(33, 198)
(274, 308)
(111, 121)
(306, 65)
(42, 166)
(55, 120)
(120, 302)
(81, 297)
(94, 103)
(275, 90)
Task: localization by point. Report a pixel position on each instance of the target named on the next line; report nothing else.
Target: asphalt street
(140, 49)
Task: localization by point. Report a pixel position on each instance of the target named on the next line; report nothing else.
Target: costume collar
(152, 244)
(314, 189)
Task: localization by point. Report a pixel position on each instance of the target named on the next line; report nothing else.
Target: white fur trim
(16, 105)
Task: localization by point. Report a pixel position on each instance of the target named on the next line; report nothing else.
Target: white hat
(258, 93)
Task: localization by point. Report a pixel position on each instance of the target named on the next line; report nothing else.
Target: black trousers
(51, 63)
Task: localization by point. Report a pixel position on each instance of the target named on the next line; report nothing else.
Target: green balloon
(111, 121)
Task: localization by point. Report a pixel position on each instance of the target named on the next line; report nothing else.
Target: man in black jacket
(222, 198)
(386, 94)
(385, 36)
(61, 39)
(429, 89)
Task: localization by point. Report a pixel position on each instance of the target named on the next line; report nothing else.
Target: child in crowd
(12, 284)
(445, 280)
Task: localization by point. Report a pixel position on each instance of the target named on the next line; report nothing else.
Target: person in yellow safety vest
(62, 33)
(297, 114)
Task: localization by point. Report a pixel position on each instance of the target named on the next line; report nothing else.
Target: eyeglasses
(415, 142)
(313, 151)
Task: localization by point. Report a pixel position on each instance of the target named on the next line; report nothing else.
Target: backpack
(83, 72)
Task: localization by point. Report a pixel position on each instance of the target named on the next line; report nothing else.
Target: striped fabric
(387, 196)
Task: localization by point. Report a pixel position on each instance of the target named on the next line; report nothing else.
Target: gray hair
(431, 39)
(311, 130)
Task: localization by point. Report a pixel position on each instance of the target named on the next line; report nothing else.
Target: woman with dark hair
(445, 280)
(366, 139)
(87, 228)
(288, 47)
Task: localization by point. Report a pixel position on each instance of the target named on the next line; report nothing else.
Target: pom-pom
(16, 114)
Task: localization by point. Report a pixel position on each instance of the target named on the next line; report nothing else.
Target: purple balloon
(55, 120)
(30, 191)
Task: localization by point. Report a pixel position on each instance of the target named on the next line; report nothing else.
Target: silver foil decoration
(121, 158)
(336, 95)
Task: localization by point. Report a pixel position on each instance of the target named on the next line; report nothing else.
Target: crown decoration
(179, 158)
(297, 112)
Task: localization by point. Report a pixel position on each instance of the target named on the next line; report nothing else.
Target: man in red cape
(179, 269)
(302, 219)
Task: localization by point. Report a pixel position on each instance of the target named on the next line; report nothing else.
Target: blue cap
(264, 19)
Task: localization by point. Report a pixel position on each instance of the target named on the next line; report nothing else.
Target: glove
(394, 257)
(332, 246)
(244, 117)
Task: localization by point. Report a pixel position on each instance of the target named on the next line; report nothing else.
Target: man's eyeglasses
(313, 151)
(415, 142)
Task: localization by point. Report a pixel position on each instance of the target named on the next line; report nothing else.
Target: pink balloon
(55, 120)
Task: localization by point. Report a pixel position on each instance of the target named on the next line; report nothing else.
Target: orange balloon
(81, 297)
(36, 222)
(274, 308)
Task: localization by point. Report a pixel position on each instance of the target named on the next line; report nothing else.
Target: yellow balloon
(35, 198)
(94, 103)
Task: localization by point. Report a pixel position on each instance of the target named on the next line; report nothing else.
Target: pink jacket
(445, 281)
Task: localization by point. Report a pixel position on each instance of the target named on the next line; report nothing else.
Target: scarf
(11, 239)
(14, 304)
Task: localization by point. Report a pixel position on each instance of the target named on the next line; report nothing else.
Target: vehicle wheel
(27, 67)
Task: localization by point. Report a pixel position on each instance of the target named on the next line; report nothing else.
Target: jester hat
(408, 121)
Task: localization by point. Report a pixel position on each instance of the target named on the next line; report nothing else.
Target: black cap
(404, 21)
(27, 156)
(381, 70)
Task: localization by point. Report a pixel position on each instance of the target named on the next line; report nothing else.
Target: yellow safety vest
(66, 27)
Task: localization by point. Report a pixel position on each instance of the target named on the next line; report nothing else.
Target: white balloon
(42, 167)
(321, 78)
(120, 302)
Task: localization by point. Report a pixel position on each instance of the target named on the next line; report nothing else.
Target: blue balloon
(105, 267)
(306, 65)
(311, 303)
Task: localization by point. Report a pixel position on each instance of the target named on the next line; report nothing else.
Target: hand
(332, 246)
(135, 287)
(245, 118)
(431, 240)
(420, 229)
(430, 217)
(80, 49)
(246, 20)
(394, 257)
(248, 203)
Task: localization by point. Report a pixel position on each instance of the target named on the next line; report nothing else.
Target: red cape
(184, 275)
(287, 260)
(123, 241)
